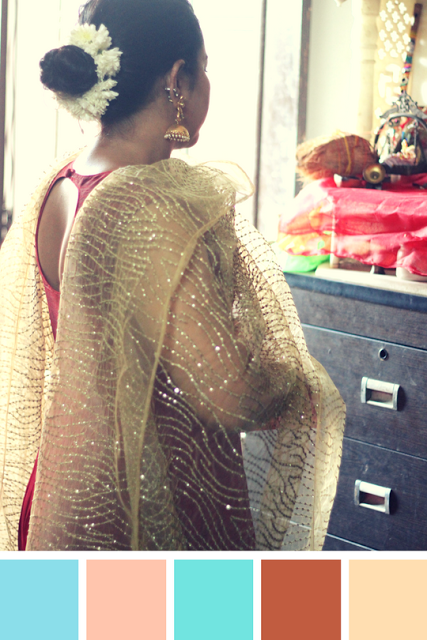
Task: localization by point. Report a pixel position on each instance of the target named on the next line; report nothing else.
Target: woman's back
(55, 225)
(64, 199)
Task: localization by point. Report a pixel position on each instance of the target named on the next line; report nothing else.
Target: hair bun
(68, 70)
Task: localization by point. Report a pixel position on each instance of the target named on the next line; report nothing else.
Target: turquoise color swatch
(213, 599)
(39, 599)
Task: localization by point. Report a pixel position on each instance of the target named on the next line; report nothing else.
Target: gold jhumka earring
(177, 132)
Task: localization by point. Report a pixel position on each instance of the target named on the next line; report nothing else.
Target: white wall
(331, 101)
(334, 66)
(232, 32)
(418, 88)
(41, 134)
(280, 113)
(35, 122)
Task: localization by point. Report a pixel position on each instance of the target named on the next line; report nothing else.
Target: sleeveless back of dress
(84, 184)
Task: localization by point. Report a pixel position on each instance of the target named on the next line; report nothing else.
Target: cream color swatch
(388, 599)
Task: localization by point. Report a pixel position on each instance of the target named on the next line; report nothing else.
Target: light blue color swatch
(39, 599)
(213, 599)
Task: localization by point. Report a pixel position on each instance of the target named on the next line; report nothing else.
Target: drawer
(405, 527)
(348, 359)
(401, 326)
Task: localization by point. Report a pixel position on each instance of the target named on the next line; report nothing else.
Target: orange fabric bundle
(342, 153)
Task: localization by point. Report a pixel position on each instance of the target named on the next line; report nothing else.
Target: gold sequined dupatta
(125, 401)
(26, 345)
(292, 463)
(177, 337)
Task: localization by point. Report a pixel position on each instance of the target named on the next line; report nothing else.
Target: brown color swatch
(301, 599)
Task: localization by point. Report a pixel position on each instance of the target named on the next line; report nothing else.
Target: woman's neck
(140, 142)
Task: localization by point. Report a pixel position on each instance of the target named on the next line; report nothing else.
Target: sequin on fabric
(179, 407)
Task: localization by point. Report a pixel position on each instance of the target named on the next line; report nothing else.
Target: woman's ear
(176, 81)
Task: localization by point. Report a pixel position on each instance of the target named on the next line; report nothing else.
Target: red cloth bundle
(369, 225)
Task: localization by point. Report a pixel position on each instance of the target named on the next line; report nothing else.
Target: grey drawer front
(381, 322)
(348, 359)
(406, 527)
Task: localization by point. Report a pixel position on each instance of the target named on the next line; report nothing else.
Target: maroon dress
(84, 184)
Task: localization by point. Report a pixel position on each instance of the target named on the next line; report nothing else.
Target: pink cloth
(85, 184)
(370, 225)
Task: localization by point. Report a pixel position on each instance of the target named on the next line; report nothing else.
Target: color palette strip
(212, 597)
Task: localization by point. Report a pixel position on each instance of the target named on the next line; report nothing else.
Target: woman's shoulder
(185, 179)
(168, 198)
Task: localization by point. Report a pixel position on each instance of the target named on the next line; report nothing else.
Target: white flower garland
(96, 42)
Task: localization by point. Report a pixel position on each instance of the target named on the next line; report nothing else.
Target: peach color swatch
(301, 599)
(388, 599)
(126, 599)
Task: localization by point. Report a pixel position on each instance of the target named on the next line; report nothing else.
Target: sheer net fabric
(179, 407)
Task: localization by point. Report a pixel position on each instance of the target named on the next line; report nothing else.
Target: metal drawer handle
(371, 496)
(379, 394)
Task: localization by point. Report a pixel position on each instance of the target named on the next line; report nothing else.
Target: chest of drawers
(364, 338)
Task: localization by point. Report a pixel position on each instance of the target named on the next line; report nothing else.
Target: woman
(146, 338)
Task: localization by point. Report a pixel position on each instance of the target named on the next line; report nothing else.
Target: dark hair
(152, 34)
(69, 70)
